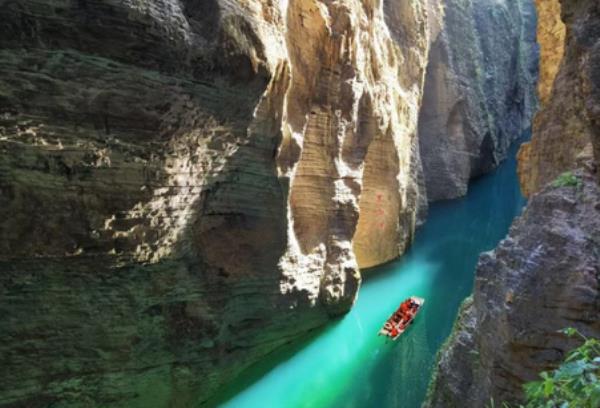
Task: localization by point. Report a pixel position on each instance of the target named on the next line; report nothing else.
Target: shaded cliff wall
(479, 91)
(546, 275)
(543, 277)
(181, 184)
(567, 127)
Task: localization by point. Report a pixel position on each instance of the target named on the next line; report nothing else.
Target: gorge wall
(546, 275)
(566, 129)
(187, 185)
(479, 92)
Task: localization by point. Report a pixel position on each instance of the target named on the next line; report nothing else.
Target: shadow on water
(347, 364)
(258, 370)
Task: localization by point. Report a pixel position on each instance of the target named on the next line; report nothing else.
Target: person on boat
(412, 312)
(394, 332)
(409, 311)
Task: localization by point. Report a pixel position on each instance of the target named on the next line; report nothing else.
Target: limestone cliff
(479, 90)
(186, 185)
(568, 125)
(544, 277)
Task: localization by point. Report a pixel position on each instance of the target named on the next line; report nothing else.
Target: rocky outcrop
(187, 185)
(479, 91)
(566, 129)
(544, 277)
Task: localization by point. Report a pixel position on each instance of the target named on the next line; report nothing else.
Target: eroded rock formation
(568, 125)
(479, 90)
(186, 185)
(544, 277)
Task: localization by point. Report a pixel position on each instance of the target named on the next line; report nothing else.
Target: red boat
(402, 318)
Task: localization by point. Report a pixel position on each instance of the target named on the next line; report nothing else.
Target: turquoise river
(346, 364)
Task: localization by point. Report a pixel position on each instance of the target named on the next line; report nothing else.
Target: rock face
(544, 277)
(551, 34)
(479, 90)
(567, 129)
(176, 176)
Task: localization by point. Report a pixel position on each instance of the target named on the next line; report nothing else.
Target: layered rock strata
(479, 90)
(187, 185)
(566, 132)
(544, 277)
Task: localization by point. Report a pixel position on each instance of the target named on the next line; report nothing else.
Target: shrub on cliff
(567, 179)
(574, 384)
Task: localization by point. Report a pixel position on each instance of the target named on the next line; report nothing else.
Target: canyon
(479, 92)
(188, 185)
(545, 276)
(187, 175)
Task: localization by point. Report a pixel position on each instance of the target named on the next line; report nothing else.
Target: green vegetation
(567, 179)
(574, 384)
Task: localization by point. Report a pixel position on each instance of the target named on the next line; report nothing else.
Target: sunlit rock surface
(479, 90)
(567, 128)
(551, 39)
(187, 185)
(544, 277)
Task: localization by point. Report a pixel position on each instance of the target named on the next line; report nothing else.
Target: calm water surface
(347, 364)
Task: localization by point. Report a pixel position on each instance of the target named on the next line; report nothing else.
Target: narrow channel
(346, 364)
